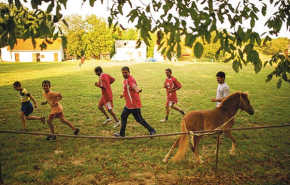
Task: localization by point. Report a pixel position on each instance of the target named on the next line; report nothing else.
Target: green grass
(262, 156)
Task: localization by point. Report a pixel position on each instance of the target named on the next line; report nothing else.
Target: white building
(126, 50)
(24, 51)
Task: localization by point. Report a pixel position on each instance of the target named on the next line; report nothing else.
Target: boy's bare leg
(49, 121)
(62, 119)
(42, 118)
(32, 118)
(23, 120)
(176, 108)
(113, 114)
(103, 111)
(167, 111)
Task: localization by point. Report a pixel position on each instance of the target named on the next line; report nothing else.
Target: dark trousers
(138, 117)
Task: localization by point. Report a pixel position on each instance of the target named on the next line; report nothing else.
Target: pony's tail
(183, 143)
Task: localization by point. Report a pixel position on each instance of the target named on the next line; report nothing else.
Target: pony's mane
(228, 98)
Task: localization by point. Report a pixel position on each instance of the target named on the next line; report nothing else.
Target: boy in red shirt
(133, 103)
(172, 85)
(53, 99)
(26, 106)
(105, 81)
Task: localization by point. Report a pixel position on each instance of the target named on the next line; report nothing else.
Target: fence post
(195, 60)
(217, 150)
(1, 179)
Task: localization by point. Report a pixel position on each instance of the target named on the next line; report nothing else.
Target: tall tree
(98, 38)
(275, 46)
(74, 29)
(194, 19)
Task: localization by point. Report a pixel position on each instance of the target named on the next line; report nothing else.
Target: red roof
(27, 45)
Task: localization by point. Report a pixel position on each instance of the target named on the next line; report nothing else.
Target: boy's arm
(135, 87)
(59, 97)
(44, 103)
(112, 80)
(31, 97)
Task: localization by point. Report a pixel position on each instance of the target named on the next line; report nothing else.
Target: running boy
(26, 105)
(172, 85)
(53, 99)
(105, 81)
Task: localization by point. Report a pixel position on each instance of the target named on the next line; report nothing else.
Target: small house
(24, 51)
(126, 50)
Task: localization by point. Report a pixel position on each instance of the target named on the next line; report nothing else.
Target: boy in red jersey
(133, 103)
(105, 81)
(26, 106)
(53, 99)
(82, 61)
(172, 85)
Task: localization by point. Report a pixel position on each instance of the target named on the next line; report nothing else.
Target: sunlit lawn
(262, 156)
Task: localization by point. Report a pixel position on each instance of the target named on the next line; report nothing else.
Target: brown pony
(210, 120)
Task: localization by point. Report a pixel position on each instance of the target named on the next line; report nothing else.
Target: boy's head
(168, 72)
(17, 85)
(220, 76)
(46, 85)
(98, 70)
(125, 71)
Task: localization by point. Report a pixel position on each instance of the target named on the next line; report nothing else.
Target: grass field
(262, 156)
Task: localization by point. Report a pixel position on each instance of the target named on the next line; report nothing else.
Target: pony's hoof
(200, 161)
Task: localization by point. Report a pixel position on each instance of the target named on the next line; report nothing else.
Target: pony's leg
(170, 151)
(228, 133)
(194, 149)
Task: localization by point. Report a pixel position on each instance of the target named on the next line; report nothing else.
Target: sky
(101, 10)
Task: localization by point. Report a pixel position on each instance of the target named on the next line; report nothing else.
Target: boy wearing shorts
(26, 105)
(105, 81)
(53, 99)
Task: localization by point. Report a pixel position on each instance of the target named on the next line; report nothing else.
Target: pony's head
(245, 103)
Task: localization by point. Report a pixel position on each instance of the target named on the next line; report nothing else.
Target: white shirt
(223, 91)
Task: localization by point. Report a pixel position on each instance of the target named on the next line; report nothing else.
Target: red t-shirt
(171, 83)
(131, 96)
(105, 81)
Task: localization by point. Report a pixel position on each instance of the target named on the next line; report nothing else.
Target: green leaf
(178, 50)
(92, 2)
(168, 54)
(17, 4)
(235, 66)
(279, 83)
(50, 7)
(55, 36)
(258, 39)
(198, 49)
(64, 41)
(269, 77)
(266, 62)
(217, 37)
(284, 77)
(264, 9)
(252, 23)
(163, 51)
(148, 8)
(207, 37)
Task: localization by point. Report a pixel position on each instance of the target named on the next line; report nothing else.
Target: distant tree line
(91, 36)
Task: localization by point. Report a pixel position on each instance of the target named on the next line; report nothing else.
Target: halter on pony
(243, 102)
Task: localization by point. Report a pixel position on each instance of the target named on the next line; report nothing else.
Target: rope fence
(208, 132)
